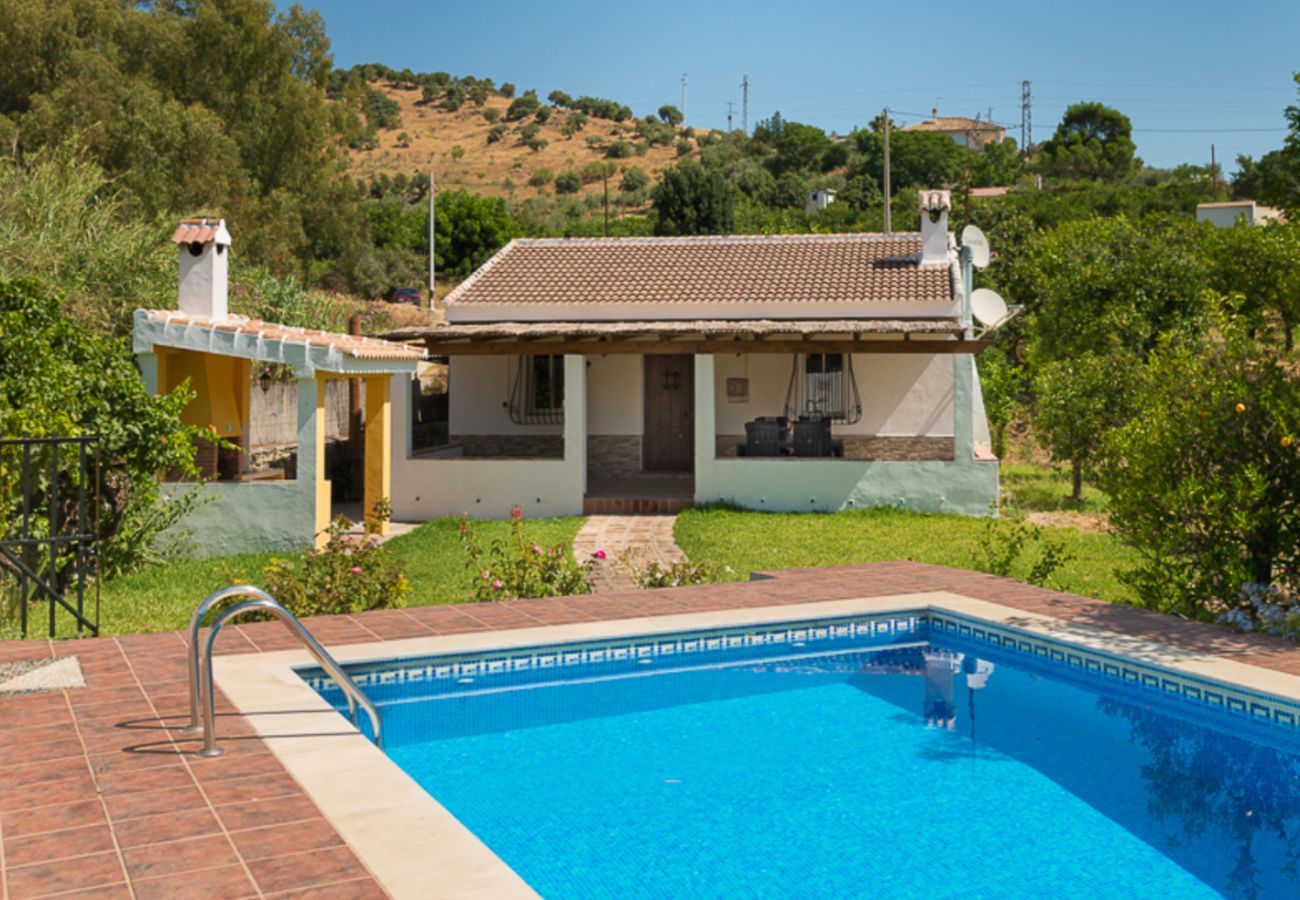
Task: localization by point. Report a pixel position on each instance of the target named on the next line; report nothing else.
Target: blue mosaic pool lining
(804, 638)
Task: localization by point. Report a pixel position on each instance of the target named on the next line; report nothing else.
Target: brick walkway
(626, 540)
(100, 796)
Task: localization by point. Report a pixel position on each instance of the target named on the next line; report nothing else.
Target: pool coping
(406, 838)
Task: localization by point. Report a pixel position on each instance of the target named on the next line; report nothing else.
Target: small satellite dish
(987, 307)
(973, 238)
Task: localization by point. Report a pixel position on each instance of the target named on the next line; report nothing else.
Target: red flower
(599, 554)
(516, 513)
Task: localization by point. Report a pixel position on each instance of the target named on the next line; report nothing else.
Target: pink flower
(516, 513)
(537, 548)
(497, 585)
(599, 554)
(460, 527)
(356, 570)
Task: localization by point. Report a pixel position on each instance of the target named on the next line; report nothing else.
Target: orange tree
(1204, 479)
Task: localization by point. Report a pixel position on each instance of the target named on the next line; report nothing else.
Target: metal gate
(49, 525)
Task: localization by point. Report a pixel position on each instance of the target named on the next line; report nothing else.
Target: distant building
(973, 134)
(819, 200)
(1229, 213)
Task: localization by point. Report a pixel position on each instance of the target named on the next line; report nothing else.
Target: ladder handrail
(196, 624)
(264, 602)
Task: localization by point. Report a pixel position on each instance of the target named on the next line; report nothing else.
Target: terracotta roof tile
(824, 269)
(197, 231)
(348, 345)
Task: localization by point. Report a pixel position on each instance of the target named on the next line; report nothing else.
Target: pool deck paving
(101, 795)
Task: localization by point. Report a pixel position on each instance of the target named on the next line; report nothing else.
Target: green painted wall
(244, 517)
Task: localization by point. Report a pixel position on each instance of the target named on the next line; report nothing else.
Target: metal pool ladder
(202, 704)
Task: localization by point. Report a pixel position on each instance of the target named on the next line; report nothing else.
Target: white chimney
(205, 261)
(934, 227)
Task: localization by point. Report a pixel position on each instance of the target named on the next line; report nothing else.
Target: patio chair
(763, 438)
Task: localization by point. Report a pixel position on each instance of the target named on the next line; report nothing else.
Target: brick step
(635, 506)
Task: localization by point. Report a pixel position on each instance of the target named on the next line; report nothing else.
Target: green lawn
(748, 541)
(1028, 488)
(163, 598)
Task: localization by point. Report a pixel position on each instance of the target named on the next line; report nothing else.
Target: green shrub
(523, 106)
(537, 143)
(540, 178)
(634, 179)
(543, 113)
(517, 567)
(683, 147)
(351, 573)
(492, 114)
(457, 151)
(403, 140)
(506, 90)
(496, 133)
(619, 150)
(677, 574)
(529, 131)
(568, 183)
(596, 171)
(999, 549)
(1204, 478)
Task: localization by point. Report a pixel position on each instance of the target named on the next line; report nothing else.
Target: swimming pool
(908, 754)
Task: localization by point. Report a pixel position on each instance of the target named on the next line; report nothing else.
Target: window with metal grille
(823, 384)
(537, 395)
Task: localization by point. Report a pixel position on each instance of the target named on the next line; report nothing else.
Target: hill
(427, 134)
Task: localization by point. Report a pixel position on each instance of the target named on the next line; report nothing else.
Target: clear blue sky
(1188, 73)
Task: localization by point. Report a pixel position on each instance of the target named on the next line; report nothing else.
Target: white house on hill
(790, 372)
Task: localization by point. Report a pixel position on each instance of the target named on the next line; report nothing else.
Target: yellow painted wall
(220, 384)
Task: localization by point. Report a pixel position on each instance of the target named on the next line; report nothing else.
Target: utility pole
(1026, 118)
(971, 138)
(433, 293)
(888, 205)
(1214, 176)
(744, 104)
(729, 106)
(683, 96)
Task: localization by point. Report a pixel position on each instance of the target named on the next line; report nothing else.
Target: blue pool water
(906, 763)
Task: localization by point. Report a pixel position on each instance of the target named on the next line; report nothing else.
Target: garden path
(625, 541)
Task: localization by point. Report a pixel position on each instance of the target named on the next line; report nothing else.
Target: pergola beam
(707, 345)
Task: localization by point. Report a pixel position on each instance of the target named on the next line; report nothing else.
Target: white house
(1228, 213)
(819, 200)
(973, 134)
(782, 372)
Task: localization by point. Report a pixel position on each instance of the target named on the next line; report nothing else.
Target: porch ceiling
(700, 336)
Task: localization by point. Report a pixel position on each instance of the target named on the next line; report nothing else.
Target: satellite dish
(987, 307)
(973, 238)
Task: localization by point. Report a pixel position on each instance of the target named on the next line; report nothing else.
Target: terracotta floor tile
(66, 745)
(167, 827)
(138, 804)
(303, 870)
(93, 871)
(150, 778)
(225, 882)
(52, 845)
(20, 795)
(155, 860)
(362, 889)
(263, 786)
(280, 840)
(59, 817)
(239, 816)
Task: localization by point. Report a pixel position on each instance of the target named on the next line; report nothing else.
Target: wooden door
(669, 441)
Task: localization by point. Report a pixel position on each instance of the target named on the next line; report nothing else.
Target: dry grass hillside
(429, 134)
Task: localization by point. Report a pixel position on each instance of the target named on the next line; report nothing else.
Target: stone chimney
(205, 261)
(935, 206)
